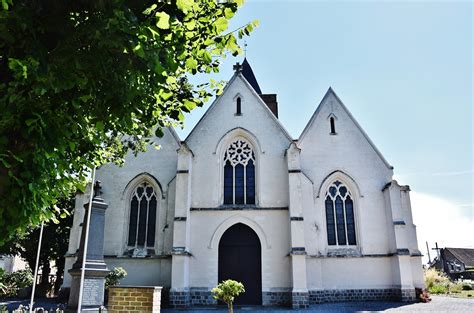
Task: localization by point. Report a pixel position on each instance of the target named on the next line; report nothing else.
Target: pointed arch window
(142, 224)
(238, 106)
(340, 223)
(332, 122)
(239, 173)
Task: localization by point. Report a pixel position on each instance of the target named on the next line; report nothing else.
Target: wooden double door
(240, 259)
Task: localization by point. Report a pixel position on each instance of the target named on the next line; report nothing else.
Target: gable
(255, 113)
(331, 107)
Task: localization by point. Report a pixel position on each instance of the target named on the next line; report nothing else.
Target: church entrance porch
(240, 259)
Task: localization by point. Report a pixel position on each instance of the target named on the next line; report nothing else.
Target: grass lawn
(462, 294)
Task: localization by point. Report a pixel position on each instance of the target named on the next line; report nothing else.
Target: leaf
(139, 51)
(191, 63)
(171, 80)
(190, 25)
(30, 121)
(190, 105)
(72, 145)
(99, 125)
(228, 13)
(185, 5)
(163, 20)
(150, 9)
(221, 24)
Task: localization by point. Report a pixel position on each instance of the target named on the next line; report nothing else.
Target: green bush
(438, 289)
(227, 290)
(114, 276)
(10, 283)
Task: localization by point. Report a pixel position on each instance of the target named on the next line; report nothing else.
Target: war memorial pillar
(95, 267)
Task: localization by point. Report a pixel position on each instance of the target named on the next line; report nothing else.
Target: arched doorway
(240, 259)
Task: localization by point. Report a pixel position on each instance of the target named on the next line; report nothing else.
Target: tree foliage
(54, 246)
(83, 82)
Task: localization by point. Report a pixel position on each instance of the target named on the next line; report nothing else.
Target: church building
(297, 221)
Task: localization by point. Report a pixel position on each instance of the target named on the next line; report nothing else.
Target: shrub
(21, 278)
(455, 288)
(438, 289)
(433, 276)
(10, 283)
(114, 276)
(227, 290)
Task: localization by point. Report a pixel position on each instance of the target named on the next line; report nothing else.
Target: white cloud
(438, 220)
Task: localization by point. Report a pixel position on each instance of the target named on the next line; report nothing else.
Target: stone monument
(95, 267)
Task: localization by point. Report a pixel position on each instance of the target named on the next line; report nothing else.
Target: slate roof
(464, 255)
(249, 76)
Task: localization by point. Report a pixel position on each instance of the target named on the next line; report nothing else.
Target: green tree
(226, 292)
(53, 247)
(84, 82)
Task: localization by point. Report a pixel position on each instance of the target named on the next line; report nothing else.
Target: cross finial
(245, 48)
(97, 188)
(237, 67)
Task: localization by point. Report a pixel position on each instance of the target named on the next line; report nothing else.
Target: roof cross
(237, 67)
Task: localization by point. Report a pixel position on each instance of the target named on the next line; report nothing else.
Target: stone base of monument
(93, 289)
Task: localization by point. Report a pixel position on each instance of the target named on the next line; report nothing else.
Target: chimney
(271, 102)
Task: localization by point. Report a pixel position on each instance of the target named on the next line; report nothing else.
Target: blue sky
(404, 69)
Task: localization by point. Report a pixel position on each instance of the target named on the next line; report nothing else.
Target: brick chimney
(271, 102)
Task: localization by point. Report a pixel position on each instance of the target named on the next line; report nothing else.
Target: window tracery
(340, 223)
(239, 173)
(142, 225)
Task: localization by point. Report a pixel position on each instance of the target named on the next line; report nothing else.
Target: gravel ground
(438, 304)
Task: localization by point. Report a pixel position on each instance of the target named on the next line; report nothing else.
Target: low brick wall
(125, 299)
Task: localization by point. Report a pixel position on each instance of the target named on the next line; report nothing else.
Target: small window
(239, 106)
(333, 125)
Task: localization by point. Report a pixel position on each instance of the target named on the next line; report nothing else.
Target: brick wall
(125, 299)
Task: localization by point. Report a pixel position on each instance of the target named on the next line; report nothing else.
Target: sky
(403, 68)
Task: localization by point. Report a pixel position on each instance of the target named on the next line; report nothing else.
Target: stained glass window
(340, 223)
(239, 173)
(141, 232)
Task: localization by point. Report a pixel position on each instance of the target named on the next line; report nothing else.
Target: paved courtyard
(438, 304)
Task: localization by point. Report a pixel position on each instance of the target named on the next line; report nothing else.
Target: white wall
(207, 227)
(366, 173)
(161, 164)
(208, 141)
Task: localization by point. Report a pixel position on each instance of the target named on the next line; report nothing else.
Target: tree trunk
(44, 284)
(231, 309)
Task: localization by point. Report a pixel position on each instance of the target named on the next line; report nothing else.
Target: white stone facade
(292, 178)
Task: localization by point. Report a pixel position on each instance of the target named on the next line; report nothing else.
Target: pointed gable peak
(247, 72)
(324, 102)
